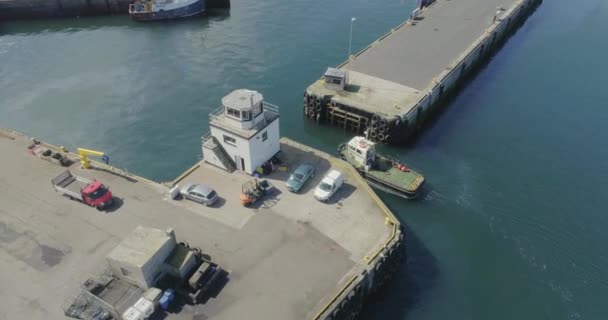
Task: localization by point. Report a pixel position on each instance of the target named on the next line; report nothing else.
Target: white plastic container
(133, 314)
(145, 306)
(153, 294)
(174, 192)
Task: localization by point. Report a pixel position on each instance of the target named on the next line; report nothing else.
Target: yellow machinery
(84, 153)
(253, 190)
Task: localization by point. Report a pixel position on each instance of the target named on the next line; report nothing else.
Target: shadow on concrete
(345, 191)
(418, 18)
(311, 183)
(116, 204)
(352, 88)
(270, 199)
(215, 289)
(258, 204)
(177, 305)
(220, 202)
(409, 287)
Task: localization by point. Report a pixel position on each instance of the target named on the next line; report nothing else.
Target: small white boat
(155, 10)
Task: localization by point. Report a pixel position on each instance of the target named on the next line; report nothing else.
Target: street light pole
(350, 38)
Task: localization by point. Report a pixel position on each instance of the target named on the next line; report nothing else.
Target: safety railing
(216, 114)
(270, 107)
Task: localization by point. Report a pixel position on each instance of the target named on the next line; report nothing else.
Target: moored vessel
(381, 171)
(155, 10)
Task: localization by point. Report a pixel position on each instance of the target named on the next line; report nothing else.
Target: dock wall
(31, 9)
(358, 290)
(374, 272)
(398, 128)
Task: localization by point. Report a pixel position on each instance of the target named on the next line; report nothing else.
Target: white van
(329, 185)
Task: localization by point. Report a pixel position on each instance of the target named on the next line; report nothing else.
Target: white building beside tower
(244, 132)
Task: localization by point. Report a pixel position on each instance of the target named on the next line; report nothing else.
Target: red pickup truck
(92, 193)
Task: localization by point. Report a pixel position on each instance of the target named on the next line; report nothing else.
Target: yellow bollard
(84, 162)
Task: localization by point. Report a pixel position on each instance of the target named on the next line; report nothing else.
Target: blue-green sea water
(514, 223)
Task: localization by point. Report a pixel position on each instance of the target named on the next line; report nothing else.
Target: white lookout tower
(244, 132)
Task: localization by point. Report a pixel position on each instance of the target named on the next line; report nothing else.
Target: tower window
(257, 109)
(246, 115)
(264, 135)
(233, 113)
(337, 81)
(230, 140)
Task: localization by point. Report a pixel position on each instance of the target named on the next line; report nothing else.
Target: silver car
(200, 193)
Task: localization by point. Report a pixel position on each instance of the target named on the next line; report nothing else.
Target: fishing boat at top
(381, 171)
(155, 10)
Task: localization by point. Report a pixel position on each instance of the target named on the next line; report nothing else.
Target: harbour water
(512, 225)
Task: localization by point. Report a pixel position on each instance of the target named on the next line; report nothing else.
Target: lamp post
(350, 38)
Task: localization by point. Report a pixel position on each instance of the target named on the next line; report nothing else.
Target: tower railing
(219, 111)
(270, 107)
(216, 114)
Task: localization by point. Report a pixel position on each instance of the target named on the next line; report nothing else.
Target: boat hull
(191, 10)
(388, 189)
(379, 183)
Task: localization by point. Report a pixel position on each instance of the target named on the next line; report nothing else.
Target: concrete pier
(289, 256)
(28, 9)
(395, 82)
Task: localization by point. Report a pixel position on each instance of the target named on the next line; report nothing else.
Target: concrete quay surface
(415, 54)
(288, 256)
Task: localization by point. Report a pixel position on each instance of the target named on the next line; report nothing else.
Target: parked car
(299, 177)
(89, 192)
(329, 185)
(200, 193)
